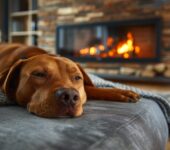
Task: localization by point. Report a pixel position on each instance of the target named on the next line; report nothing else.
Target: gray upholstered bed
(104, 126)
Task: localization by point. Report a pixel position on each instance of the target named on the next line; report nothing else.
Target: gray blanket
(160, 100)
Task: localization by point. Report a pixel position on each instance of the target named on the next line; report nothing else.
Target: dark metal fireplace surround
(113, 41)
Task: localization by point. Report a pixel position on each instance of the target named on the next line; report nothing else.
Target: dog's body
(50, 86)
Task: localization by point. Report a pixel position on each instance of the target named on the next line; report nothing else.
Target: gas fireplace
(116, 41)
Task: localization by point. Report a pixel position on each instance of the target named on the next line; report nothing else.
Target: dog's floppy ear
(3, 76)
(10, 83)
(87, 80)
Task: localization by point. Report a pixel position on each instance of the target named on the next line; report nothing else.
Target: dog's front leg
(111, 94)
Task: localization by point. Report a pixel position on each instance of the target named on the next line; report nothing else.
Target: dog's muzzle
(67, 96)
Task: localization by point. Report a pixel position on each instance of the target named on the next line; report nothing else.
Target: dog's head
(48, 86)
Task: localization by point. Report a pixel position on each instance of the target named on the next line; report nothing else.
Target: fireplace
(114, 41)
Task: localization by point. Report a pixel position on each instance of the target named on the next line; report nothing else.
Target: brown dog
(50, 86)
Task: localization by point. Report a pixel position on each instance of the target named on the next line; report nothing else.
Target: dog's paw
(130, 96)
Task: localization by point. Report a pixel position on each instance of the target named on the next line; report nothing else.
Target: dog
(49, 85)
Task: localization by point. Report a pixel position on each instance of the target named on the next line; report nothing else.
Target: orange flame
(123, 49)
(126, 46)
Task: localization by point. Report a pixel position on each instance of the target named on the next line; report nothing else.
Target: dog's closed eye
(77, 77)
(39, 74)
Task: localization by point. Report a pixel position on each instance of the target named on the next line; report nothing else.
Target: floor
(168, 146)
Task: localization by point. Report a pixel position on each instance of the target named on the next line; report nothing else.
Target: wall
(55, 12)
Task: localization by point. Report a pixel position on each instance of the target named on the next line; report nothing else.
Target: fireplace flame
(92, 51)
(127, 46)
(125, 49)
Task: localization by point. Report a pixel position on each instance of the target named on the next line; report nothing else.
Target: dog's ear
(3, 76)
(87, 80)
(10, 83)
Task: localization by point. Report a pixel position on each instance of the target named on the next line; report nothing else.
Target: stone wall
(55, 12)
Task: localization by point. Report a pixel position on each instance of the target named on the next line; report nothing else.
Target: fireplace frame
(157, 22)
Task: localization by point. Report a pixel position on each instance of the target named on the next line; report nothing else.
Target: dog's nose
(67, 96)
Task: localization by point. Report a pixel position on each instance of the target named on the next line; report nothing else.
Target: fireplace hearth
(115, 41)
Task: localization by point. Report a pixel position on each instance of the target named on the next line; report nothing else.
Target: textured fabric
(104, 126)
(4, 100)
(160, 100)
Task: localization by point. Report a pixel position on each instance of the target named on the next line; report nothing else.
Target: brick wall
(55, 12)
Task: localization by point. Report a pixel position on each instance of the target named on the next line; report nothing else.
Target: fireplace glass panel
(108, 41)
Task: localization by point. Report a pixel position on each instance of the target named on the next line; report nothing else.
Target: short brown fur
(33, 78)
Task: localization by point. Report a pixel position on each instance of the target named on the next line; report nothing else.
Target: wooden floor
(168, 146)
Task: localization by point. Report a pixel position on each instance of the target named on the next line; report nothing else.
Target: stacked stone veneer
(54, 12)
